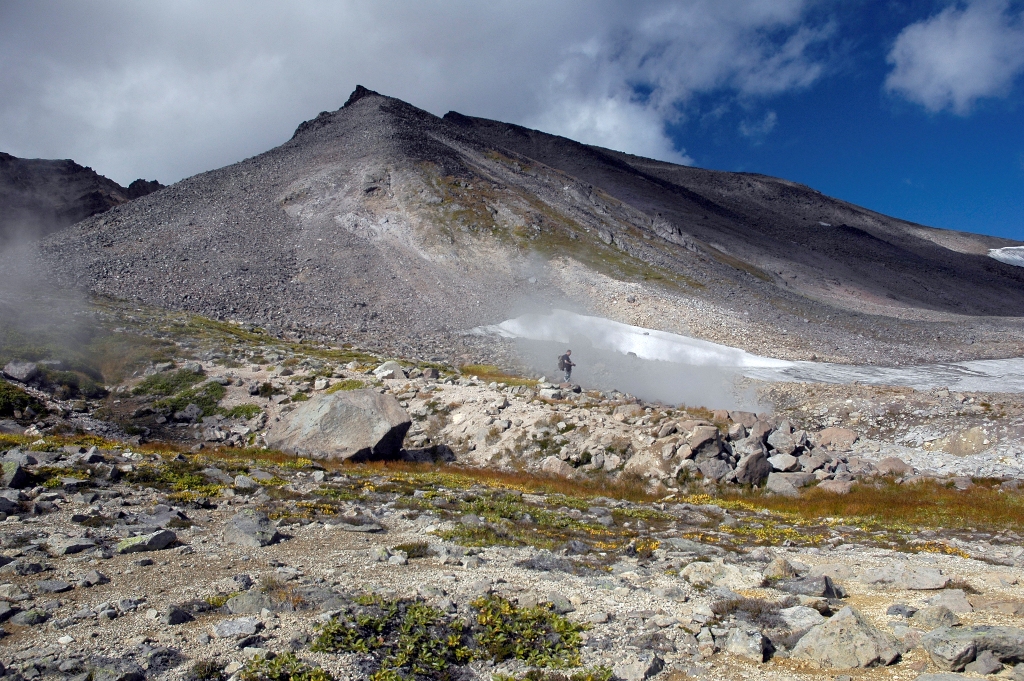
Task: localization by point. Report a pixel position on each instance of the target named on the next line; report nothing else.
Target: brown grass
(459, 476)
(921, 505)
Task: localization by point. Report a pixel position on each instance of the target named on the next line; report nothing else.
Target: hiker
(565, 364)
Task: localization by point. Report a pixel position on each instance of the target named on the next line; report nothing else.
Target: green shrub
(206, 670)
(285, 667)
(347, 384)
(243, 411)
(205, 396)
(416, 549)
(404, 637)
(13, 398)
(535, 635)
(409, 639)
(168, 382)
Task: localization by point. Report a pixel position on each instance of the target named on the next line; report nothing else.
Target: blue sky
(851, 137)
(913, 109)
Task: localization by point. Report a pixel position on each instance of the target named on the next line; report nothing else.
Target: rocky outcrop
(39, 196)
(355, 425)
(847, 641)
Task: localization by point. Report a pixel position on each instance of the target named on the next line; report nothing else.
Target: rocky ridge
(38, 197)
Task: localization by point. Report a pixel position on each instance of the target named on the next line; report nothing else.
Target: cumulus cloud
(166, 89)
(960, 55)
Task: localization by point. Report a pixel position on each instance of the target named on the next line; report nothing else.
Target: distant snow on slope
(1011, 255)
(668, 364)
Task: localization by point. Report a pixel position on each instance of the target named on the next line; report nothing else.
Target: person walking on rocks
(566, 365)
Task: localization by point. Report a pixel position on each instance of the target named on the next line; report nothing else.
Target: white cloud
(960, 55)
(759, 129)
(615, 124)
(167, 89)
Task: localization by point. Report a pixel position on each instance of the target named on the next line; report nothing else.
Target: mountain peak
(358, 94)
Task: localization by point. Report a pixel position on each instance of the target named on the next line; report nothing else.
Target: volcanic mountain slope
(389, 226)
(38, 197)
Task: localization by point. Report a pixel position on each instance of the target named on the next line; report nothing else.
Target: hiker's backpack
(561, 362)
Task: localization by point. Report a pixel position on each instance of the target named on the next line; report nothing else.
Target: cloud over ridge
(958, 56)
(178, 88)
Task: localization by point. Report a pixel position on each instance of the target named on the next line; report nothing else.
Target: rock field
(152, 533)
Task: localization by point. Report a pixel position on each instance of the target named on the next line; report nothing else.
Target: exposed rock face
(358, 424)
(847, 641)
(38, 196)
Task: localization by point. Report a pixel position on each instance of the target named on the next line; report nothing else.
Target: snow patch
(1011, 255)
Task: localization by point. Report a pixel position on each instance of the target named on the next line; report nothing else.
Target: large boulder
(953, 648)
(359, 425)
(836, 439)
(752, 469)
(23, 372)
(250, 528)
(847, 641)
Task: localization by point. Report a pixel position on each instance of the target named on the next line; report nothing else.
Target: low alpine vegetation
(410, 639)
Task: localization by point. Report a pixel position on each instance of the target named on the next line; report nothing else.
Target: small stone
(53, 586)
(245, 483)
(95, 578)
(176, 615)
(900, 610)
(779, 568)
(822, 587)
(237, 628)
(30, 618)
(559, 603)
(934, 616)
(638, 667)
(155, 541)
(985, 663)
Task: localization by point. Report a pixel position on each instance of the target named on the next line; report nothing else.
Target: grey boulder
(250, 528)
(847, 641)
(359, 425)
(245, 626)
(155, 541)
(752, 469)
(953, 648)
(249, 603)
(23, 372)
(638, 667)
(747, 642)
(13, 475)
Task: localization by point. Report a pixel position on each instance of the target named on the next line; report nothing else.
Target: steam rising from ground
(674, 369)
(651, 364)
